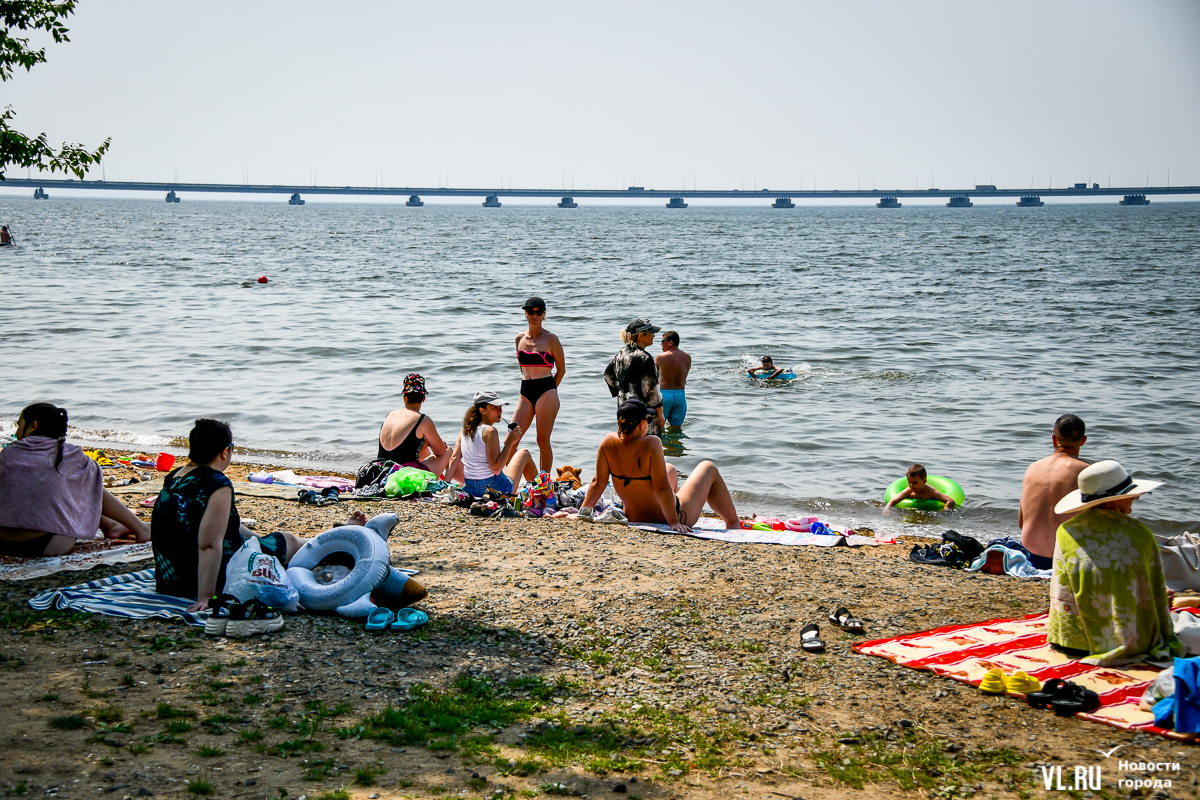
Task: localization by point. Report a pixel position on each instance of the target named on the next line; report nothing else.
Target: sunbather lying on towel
(647, 484)
(51, 494)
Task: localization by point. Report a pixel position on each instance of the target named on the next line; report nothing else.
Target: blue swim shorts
(500, 482)
(674, 406)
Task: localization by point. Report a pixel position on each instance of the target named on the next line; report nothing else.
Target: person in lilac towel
(51, 494)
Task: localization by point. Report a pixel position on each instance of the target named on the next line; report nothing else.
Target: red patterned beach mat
(966, 652)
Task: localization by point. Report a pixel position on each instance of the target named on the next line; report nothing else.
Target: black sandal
(1053, 689)
(810, 639)
(843, 620)
(1076, 700)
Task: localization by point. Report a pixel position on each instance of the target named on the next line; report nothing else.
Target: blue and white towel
(131, 596)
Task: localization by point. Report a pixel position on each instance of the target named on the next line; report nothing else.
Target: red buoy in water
(262, 278)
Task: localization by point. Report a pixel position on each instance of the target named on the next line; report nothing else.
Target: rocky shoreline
(561, 658)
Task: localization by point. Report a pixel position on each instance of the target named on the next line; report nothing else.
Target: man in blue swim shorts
(673, 366)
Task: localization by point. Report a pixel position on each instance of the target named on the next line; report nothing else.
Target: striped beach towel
(131, 596)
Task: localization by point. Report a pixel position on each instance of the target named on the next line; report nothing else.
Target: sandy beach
(561, 659)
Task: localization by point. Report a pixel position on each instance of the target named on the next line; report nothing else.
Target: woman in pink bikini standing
(543, 365)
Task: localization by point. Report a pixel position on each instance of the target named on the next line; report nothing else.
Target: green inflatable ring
(943, 485)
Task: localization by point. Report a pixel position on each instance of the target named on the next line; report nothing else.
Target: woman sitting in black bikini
(538, 353)
(647, 484)
(406, 433)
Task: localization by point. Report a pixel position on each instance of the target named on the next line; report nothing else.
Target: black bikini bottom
(534, 389)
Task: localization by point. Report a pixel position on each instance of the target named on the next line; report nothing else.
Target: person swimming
(767, 370)
(5, 236)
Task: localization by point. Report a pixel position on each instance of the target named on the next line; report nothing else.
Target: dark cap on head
(634, 410)
(641, 325)
(534, 304)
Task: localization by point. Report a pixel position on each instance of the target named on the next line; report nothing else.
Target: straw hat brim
(1073, 502)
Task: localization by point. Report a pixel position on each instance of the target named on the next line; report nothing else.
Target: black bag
(958, 550)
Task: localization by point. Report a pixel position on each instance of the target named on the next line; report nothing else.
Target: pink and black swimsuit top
(535, 358)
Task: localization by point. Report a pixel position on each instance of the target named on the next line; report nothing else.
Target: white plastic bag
(251, 573)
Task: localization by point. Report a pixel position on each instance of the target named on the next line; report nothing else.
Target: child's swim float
(372, 581)
(783, 376)
(943, 485)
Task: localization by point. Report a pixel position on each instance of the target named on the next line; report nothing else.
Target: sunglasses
(535, 312)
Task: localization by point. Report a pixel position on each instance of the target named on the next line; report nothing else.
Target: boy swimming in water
(768, 369)
(919, 489)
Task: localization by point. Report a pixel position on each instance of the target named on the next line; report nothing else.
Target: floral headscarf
(414, 384)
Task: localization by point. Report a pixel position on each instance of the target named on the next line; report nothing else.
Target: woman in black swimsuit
(406, 433)
(539, 353)
(647, 484)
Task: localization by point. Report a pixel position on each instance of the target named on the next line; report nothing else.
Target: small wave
(139, 440)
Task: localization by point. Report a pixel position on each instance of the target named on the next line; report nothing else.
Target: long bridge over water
(676, 198)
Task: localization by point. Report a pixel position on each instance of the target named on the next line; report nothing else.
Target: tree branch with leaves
(17, 149)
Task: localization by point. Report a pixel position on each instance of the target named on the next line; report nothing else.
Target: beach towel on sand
(709, 528)
(131, 596)
(36, 496)
(84, 556)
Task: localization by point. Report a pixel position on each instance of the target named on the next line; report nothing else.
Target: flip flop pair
(382, 619)
(997, 682)
(846, 621)
(1064, 698)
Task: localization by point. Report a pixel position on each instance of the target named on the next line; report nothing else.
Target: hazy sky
(715, 93)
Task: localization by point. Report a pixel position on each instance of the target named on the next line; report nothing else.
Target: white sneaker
(613, 516)
(254, 619)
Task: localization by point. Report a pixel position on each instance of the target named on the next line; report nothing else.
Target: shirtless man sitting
(1046, 482)
(647, 484)
(673, 368)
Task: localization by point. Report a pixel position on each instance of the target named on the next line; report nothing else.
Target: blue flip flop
(409, 618)
(379, 619)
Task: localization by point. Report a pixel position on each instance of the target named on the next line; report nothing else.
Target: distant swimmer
(767, 370)
(919, 489)
(5, 236)
(673, 367)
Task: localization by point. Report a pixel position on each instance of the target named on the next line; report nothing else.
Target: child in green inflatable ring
(919, 489)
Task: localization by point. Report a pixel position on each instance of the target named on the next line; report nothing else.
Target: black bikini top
(535, 358)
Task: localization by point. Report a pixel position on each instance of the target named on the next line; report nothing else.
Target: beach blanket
(36, 496)
(84, 556)
(288, 477)
(966, 652)
(244, 488)
(709, 528)
(131, 596)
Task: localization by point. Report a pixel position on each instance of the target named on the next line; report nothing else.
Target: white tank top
(475, 457)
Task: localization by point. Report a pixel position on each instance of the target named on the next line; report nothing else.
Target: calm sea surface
(948, 337)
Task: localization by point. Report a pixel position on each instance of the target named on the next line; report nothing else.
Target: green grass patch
(248, 736)
(523, 767)
(924, 766)
(168, 711)
(71, 722)
(139, 748)
(252, 699)
(109, 713)
(21, 788)
(200, 785)
(319, 770)
(334, 794)
(49, 697)
(445, 718)
(157, 644)
(178, 726)
(293, 746)
(208, 751)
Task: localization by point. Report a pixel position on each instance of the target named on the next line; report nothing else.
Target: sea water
(949, 337)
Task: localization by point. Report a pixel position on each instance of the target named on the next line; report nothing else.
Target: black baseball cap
(534, 304)
(641, 325)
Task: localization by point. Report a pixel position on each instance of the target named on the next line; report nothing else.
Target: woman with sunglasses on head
(543, 365)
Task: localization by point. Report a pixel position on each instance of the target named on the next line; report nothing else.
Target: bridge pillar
(1135, 200)
(295, 199)
(568, 202)
(888, 202)
(959, 201)
(783, 202)
(172, 197)
(40, 194)
(414, 201)
(1030, 201)
(491, 201)
(676, 202)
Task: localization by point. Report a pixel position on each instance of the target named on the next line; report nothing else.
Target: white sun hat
(1103, 482)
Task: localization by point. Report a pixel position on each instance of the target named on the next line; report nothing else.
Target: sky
(603, 95)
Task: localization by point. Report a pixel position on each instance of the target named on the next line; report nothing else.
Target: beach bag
(1180, 561)
(406, 481)
(251, 573)
(958, 550)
